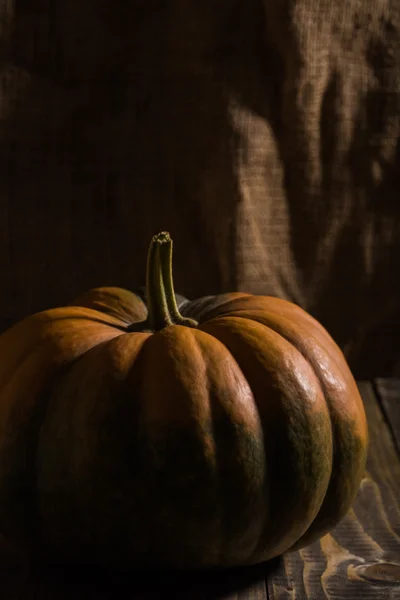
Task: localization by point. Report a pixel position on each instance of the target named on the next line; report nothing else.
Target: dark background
(264, 135)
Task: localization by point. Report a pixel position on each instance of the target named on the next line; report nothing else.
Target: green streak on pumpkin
(162, 307)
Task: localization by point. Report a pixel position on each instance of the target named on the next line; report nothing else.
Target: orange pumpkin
(220, 432)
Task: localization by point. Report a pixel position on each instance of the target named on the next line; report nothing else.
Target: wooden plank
(360, 559)
(388, 391)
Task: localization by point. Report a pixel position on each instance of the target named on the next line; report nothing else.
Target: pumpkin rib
(6, 501)
(101, 320)
(280, 543)
(39, 323)
(115, 301)
(170, 482)
(341, 365)
(200, 403)
(326, 506)
(32, 344)
(85, 383)
(23, 389)
(195, 308)
(219, 550)
(214, 340)
(306, 334)
(213, 309)
(230, 409)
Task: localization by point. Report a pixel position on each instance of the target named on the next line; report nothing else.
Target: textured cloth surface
(263, 134)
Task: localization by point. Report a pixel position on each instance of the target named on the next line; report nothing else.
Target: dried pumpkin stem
(162, 307)
(158, 313)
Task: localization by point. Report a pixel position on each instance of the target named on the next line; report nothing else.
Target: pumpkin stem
(161, 302)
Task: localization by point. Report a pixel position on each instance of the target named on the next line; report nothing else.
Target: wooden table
(360, 559)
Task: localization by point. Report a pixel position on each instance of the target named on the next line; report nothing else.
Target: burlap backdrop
(263, 135)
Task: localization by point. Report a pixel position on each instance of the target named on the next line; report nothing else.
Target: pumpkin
(217, 432)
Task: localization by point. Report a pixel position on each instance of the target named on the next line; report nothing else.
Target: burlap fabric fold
(264, 135)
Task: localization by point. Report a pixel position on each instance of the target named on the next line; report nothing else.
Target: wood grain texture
(360, 559)
(361, 556)
(389, 396)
